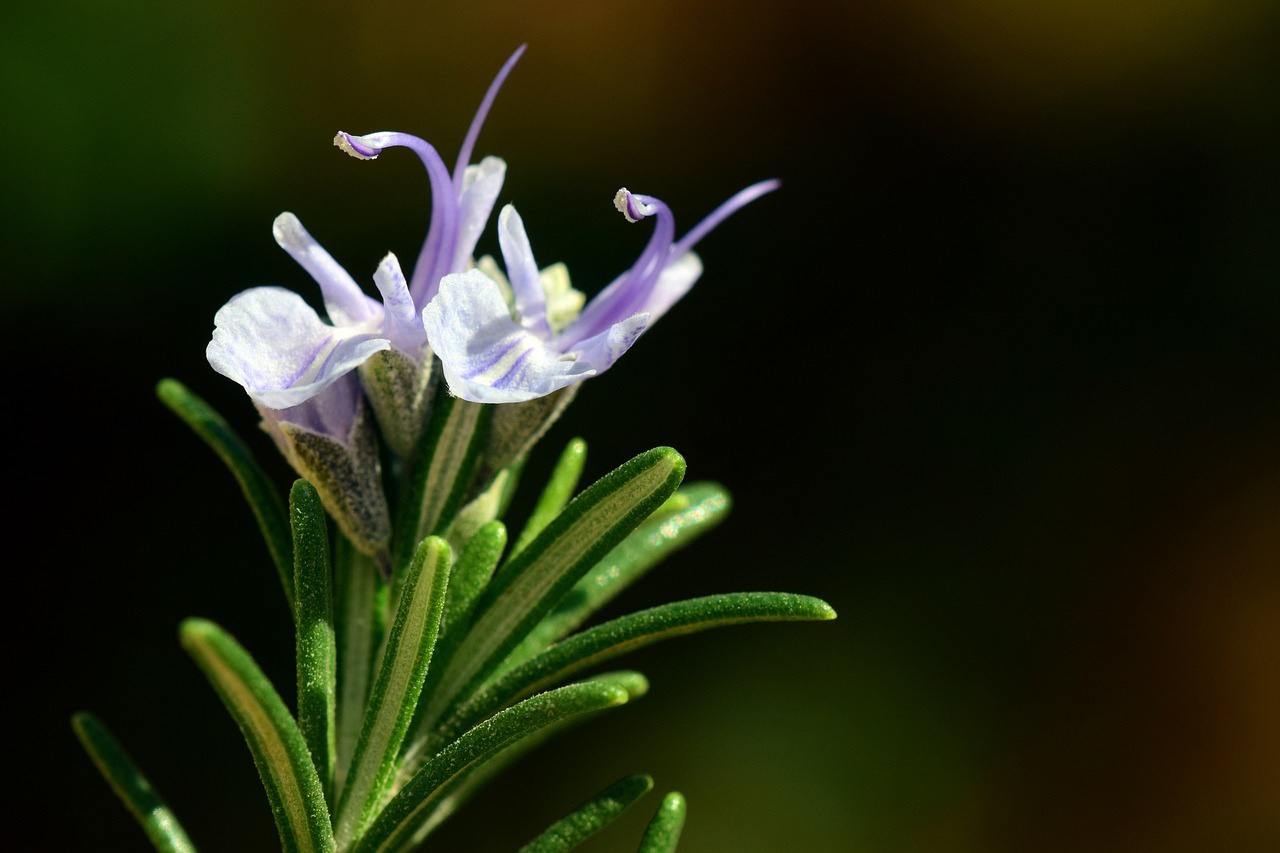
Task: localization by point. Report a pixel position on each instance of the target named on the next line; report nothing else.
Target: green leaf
(691, 512)
(467, 583)
(148, 808)
(361, 624)
(535, 579)
(662, 835)
(592, 816)
(630, 632)
(482, 509)
(315, 644)
(290, 779)
(634, 683)
(559, 489)
(408, 816)
(262, 496)
(395, 693)
(442, 473)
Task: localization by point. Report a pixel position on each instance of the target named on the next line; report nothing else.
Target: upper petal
(481, 184)
(345, 302)
(522, 272)
(487, 356)
(400, 323)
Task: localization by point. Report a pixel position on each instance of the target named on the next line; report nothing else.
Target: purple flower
(290, 361)
(496, 351)
(287, 358)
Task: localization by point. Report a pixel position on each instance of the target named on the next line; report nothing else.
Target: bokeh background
(996, 373)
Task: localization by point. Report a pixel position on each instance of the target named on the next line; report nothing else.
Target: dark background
(995, 373)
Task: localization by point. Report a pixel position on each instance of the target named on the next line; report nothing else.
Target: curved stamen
(626, 294)
(656, 252)
(442, 234)
(473, 132)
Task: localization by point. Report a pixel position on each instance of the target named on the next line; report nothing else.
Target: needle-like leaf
(290, 779)
(398, 825)
(316, 652)
(662, 835)
(148, 808)
(395, 693)
(627, 633)
(535, 579)
(262, 496)
(590, 817)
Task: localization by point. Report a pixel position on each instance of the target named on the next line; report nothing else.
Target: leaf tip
(168, 387)
(194, 630)
(83, 721)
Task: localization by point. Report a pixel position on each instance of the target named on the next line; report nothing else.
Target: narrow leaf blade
(395, 693)
(467, 583)
(279, 751)
(361, 624)
(411, 809)
(539, 576)
(143, 802)
(442, 472)
(558, 491)
(315, 643)
(591, 817)
(692, 511)
(258, 490)
(630, 632)
(662, 835)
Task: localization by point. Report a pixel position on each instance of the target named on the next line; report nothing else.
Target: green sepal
(408, 815)
(692, 511)
(347, 475)
(558, 491)
(518, 426)
(361, 624)
(143, 802)
(662, 835)
(590, 817)
(442, 474)
(264, 500)
(399, 390)
(315, 645)
(396, 691)
(627, 633)
(279, 751)
(531, 583)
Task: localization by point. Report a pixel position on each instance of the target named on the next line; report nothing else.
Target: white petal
(522, 272)
(345, 302)
(400, 322)
(481, 184)
(274, 344)
(487, 356)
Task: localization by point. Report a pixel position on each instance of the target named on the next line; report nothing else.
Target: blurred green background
(995, 373)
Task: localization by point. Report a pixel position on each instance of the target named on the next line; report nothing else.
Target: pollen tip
(629, 206)
(357, 149)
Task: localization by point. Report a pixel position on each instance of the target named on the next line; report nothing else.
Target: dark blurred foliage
(995, 373)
